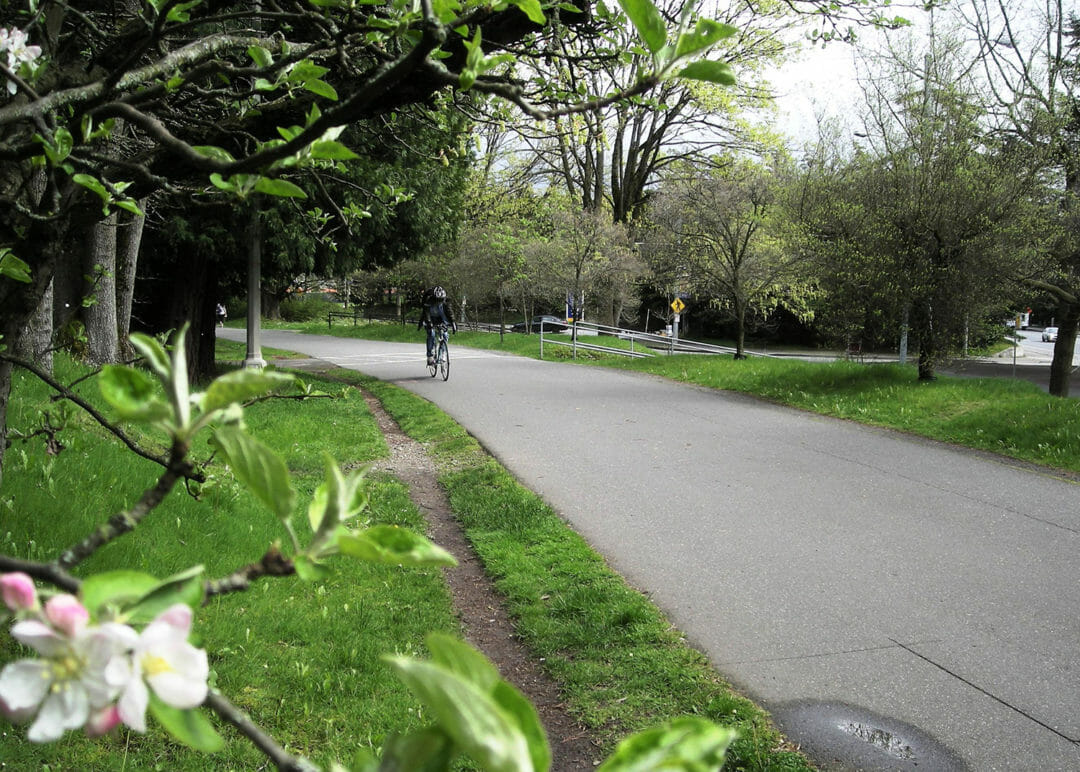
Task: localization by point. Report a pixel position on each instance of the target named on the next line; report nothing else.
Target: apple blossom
(163, 659)
(13, 42)
(18, 591)
(60, 689)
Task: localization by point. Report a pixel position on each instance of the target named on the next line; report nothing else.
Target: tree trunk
(740, 330)
(35, 343)
(100, 316)
(127, 255)
(1062, 364)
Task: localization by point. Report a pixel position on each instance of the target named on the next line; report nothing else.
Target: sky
(817, 81)
(823, 80)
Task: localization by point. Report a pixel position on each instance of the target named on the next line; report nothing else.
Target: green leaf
(259, 468)
(305, 71)
(427, 750)
(706, 34)
(191, 727)
(179, 12)
(475, 51)
(393, 545)
(221, 183)
(129, 205)
(240, 386)
(279, 187)
(468, 714)
(459, 657)
(524, 714)
(322, 88)
(178, 384)
(331, 150)
(132, 394)
(532, 9)
(113, 590)
(647, 21)
(714, 72)
(13, 268)
(688, 743)
(154, 354)
(64, 143)
(93, 184)
(337, 499)
(185, 587)
(212, 151)
(467, 79)
(260, 56)
(310, 571)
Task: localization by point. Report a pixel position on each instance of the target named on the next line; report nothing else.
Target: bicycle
(442, 353)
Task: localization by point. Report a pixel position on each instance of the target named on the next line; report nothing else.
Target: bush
(307, 309)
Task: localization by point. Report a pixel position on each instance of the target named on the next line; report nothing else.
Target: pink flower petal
(103, 721)
(66, 614)
(18, 591)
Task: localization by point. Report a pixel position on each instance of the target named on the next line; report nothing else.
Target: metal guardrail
(652, 344)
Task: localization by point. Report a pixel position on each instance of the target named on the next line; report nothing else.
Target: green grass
(235, 351)
(302, 659)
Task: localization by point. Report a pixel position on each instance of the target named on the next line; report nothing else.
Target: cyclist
(434, 310)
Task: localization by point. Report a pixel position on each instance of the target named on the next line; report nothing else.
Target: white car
(1049, 334)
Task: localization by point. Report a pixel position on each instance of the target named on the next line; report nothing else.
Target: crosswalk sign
(677, 305)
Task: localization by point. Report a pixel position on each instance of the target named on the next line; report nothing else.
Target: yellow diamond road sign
(677, 305)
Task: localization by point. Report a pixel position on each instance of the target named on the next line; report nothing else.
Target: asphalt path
(896, 603)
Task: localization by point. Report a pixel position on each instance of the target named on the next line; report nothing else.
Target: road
(896, 603)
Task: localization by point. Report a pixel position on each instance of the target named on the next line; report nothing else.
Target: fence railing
(642, 344)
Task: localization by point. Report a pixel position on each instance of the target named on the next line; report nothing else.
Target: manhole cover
(844, 737)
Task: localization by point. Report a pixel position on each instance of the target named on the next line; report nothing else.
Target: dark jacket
(435, 311)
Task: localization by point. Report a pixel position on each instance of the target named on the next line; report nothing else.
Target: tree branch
(124, 522)
(68, 394)
(273, 563)
(284, 761)
(46, 572)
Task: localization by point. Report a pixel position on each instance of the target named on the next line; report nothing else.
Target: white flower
(13, 42)
(164, 660)
(69, 681)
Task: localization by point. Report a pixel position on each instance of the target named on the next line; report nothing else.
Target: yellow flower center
(65, 668)
(152, 665)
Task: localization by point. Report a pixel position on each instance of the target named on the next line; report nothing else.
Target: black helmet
(439, 293)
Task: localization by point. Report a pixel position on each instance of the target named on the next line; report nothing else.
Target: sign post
(677, 306)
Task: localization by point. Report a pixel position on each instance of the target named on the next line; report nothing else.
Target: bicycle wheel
(444, 360)
(433, 367)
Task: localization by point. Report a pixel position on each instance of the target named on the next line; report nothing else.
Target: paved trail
(896, 603)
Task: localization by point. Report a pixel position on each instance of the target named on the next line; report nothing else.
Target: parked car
(548, 323)
(1049, 334)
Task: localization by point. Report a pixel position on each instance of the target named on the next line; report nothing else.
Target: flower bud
(18, 590)
(103, 721)
(66, 614)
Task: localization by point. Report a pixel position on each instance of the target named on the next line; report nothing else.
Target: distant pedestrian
(222, 314)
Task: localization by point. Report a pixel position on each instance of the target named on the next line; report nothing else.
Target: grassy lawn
(302, 659)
